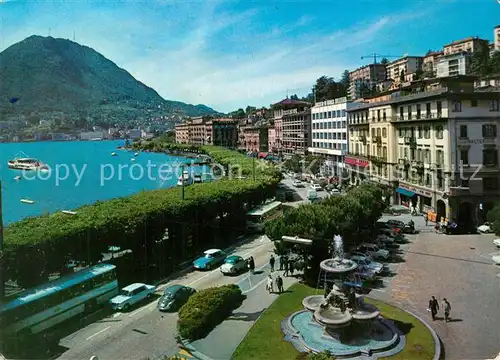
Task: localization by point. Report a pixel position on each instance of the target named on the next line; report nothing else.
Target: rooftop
(470, 38)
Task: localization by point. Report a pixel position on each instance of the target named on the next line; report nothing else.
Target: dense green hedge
(211, 214)
(206, 309)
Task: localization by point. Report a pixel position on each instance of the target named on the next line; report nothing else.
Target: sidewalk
(221, 343)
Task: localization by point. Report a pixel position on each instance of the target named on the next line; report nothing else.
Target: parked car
(363, 260)
(131, 295)
(395, 223)
(484, 229)
(174, 297)
(316, 187)
(366, 273)
(210, 259)
(374, 251)
(298, 184)
(496, 242)
(312, 195)
(234, 264)
(386, 240)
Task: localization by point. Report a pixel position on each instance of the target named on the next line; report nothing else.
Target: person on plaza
(433, 307)
(290, 267)
(281, 258)
(447, 309)
(251, 265)
(269, 286)
(279, 283)
(426, 219)
(285, 268)
(271, 262)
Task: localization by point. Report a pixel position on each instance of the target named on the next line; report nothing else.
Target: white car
(496, 242)
(130, 295)
(233, 264)
(316, 187)
(484, 229)
(298, 184)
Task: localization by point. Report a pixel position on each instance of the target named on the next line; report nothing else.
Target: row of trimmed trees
(352, 216)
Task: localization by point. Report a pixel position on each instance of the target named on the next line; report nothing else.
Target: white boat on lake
(27, 164)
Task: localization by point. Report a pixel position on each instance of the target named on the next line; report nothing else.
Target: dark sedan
(174, 297)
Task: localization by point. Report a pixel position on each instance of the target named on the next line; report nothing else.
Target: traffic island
(266, 339)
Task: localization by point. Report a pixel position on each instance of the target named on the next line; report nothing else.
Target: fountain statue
(340, 321)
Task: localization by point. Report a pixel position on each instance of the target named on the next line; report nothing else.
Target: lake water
(81, 173)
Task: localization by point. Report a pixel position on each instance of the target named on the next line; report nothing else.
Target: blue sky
(228, 54)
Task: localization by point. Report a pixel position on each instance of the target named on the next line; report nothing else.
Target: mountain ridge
(50, 75)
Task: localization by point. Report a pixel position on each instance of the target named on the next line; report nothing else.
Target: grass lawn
(265, 339)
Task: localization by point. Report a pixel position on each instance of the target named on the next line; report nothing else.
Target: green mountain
(48, 77)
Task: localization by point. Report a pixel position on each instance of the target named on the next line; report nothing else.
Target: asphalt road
(144, 331)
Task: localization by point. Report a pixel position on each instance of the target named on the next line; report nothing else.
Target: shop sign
(415, 190)
(356, 162)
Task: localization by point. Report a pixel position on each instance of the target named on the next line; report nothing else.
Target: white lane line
(99, 332)
(139, 310)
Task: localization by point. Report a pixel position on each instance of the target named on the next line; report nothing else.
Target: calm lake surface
(81, 173)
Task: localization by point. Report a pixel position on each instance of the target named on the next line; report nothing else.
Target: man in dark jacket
(271, 263)
(433, 307)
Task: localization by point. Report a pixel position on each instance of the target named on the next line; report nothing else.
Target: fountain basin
(313, 302)
(338, 265)
(332, 317)
(365, 312)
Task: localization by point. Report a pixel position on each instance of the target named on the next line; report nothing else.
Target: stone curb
(437, 340)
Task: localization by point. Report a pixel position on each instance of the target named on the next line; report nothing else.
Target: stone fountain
(340, 321)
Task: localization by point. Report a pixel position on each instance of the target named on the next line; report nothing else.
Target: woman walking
(270, 283)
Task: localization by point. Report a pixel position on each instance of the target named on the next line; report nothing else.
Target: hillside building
(365, 78)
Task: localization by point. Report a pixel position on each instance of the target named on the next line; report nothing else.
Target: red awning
(356, 162)
(263, 155)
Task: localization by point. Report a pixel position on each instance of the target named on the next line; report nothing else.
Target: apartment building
(442, 147)
(453, 64)
(255, 139)
(296, 131)
(206, 131)
(329, 133)
(284, 107)
(429, 63)
(470, 45)
(365, 77)
(496, 38)
(404, 69)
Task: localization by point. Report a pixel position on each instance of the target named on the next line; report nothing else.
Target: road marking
(99, 332)
(117, 314)
(139, 310)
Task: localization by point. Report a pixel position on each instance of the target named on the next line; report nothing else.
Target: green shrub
(206, 309)
(494, 219)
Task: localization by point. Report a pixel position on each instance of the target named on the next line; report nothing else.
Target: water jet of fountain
(338, 247)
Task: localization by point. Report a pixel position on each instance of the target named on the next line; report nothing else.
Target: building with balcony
(296, 131)
(442, 147)
(284, 107)
(205, 131)
(255, 139)
(496, 38)
(453, 64)
(329, 133)
(429, 63)
(365, 78)
(271, 136)
(404, 69)
(470, 45)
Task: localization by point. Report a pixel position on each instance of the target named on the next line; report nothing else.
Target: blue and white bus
(258, 216)
(40, 308)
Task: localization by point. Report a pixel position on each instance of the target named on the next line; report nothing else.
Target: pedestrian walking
(426, 219)
(285, 266)
(269, 286)
(290, 267)
(280, 259)
(271, 262)
(279, 283)
(447, 309)
(433, 307)
(251, 265)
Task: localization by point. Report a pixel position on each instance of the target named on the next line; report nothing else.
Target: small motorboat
(136, 154)
(133, 159)
(17, 178)
(113, 154)
(27, 201)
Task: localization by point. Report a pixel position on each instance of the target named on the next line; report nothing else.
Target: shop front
(414, 198)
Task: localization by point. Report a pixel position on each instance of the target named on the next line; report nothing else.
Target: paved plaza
(458, 268)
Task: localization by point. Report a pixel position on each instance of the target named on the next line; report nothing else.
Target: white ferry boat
(26, 164)
(188, 180)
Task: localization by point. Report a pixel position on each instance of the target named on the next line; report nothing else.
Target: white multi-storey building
(329, 133)
(453, 64)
